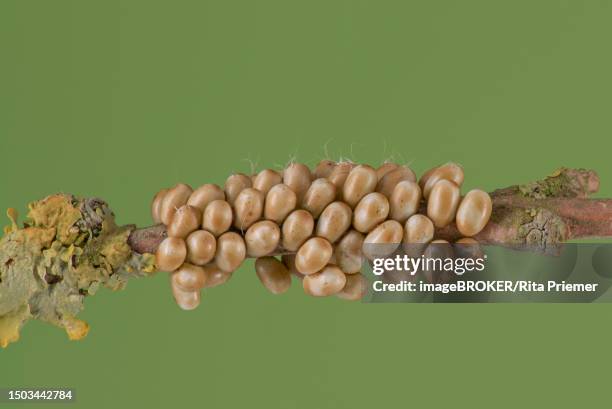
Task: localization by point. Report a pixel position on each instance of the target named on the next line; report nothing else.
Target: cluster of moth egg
(320, 222)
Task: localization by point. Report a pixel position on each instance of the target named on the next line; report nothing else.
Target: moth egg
(273, 274)
(280, 201)
(262, 238)
(442, 203)
(171, 254)
(313, 255)
(328, 281)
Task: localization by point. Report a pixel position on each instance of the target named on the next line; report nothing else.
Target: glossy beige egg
(202, 196)
(334, 221)
(449, 171)
(348, 252)
(280, 201)
(189, 277)
(185, 220)
(324, 168)
(474, 212)
(361, 180)
(289, 261)
(171, 254)
(383, 240)
(248, 208)
(385, 168)
(218, 217)
(297, 227)
(235, 184)
(201, 247)
(468, 247)
(418, 229)
(355, 288)
(328, 281)
(266, 179)
(173, 199)
(231, 251)
(156, 205)
(372, 210)
(298, 177)
(404, 201)
(273, 274)
(215, 276)
(338, 176)
(262, 238)
(442, 203)
(186, 300)
(313, 255)
(320, 194)
(388, 182)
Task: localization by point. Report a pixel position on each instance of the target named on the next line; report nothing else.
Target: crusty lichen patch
(563, 182)
(66, 251)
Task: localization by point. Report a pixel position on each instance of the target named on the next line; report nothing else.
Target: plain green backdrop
(121, 98)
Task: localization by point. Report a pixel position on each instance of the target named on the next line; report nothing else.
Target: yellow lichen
(75, 328)
(56, 211)
(11, 323)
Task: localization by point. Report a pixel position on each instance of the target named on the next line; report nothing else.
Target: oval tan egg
(248, 208)
(385, 168)
(185, 220)
(173, 199)
(298, 177)
(266, 179)
(442, 203)
(355, 288)
(273, 274)
(262, 238)
(328, 281)
(231, 251)
(388, 182)
(360, 181)
(215, 276)
(449, 171)
(235, 184)
(348, 252)
(320, 193)
(297, 227)
(289, 261)
(218, 217)
(383, 240)
(372, 210)
(313, 255)
(186, 300)
(404, 201)
(438, 250)
(189, 277)
(323, 169)
(468, 247)
(202, 196)
(474, 212)
(280, 201)
(334, 221)
(338, 176)
(171, 254)
(156, 205)
(418, 229)
(201, 247)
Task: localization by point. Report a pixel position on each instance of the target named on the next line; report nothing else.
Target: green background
(121, 98)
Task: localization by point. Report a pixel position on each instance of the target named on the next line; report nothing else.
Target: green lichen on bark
(67, 249)
(563, 182)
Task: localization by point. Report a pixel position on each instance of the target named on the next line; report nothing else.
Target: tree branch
(70, 247)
